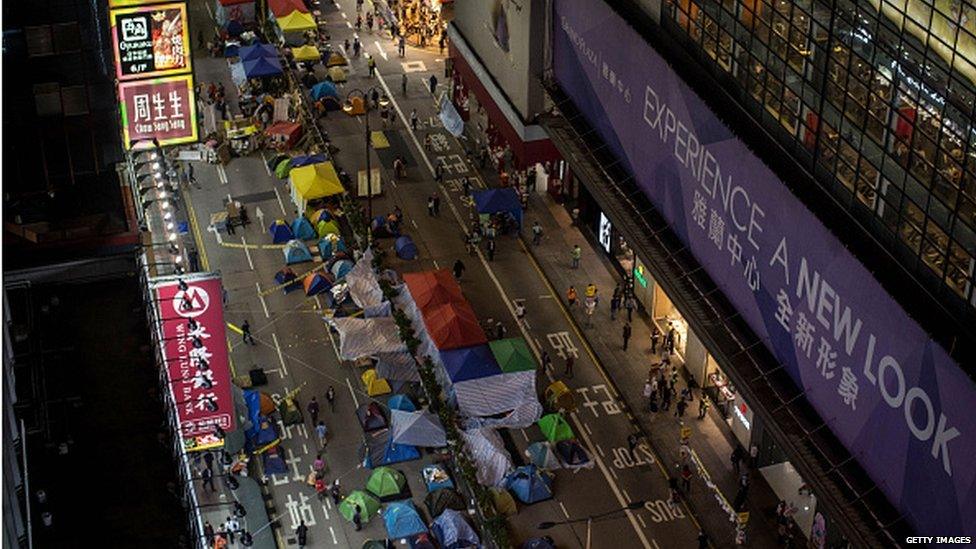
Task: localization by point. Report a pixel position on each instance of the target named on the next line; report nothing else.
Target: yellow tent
(306, 53)
(375, 385)
(313, 181)
(336, 74)
(297, 21)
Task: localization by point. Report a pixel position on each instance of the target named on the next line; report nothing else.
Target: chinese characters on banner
(195, 351)
(162, 108)
(150, 41)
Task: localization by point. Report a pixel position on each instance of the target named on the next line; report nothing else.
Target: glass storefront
(877, 99)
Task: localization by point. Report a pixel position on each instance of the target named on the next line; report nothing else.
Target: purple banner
(890, 394)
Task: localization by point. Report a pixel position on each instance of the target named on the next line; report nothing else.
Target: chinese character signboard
(150, 41)
(888, 391)
(195, 351)
(112, 4)
(162, 108)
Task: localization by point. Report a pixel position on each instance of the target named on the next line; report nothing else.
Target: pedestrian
(655, 337)
(202, 44)
(207, 477)
(232, 526)
(437, 204)
(335, 492)
(246, 333)
(703, 405)
(490, 248)
(439, 171)
(665, 399)
(330, 397)
(428, 142)
(669, 339)
(568, 370)
(369, 22)
(674, 496)
(686, 478)
(440, 43)
(680, 407)
(357, 518)
(702, 540)
(614, 305)
(571, 296)
(519, 310)
(403, 84)
(500, 331)
(208, 459)
(371, 65)
(208, 533)
(414, 119)
(345, 47)
(736, 457)
(648, 392)
(632, 446)
(430, 205)
(401, 49)
(466, 186)
(359, 23)
(630, 304)
(319, 464)
(313, 410)
(742, 493)
(546, 361)
(302, 533)
(433, 84)
(356, 46)
(321, 431)
(627, 334)
(458, 269)
(536, 233)
(576, 254)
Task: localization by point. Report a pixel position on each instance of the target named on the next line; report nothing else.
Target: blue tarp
(405, 248)
(259, 68)
(402, 520)
(493, 201)
(324, 89)
(529, 484)
(450, 118)
(296, 252)
(453, 531)
(257, 51)
(266, 433)
(302, 229)
(380, 450)
(470, 363)
(306, 160)
(402, 403)
(252, 399)
(280, 232)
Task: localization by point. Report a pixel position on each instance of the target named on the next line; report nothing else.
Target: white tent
(363, 286)
(398, 366)
(419, 428)
(363, 337)
(488, 452)
(496, 394)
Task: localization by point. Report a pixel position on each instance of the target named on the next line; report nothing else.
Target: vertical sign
(150, 41)
(162, 108)
(605, 230)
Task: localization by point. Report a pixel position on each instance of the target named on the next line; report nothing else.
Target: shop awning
(316, 180)
(297, 21)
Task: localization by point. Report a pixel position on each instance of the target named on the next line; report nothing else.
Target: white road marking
(261, 298)
(220, 239)
(380, 49)
(221, 174)
(614, 475)
(348, 24)
(334, 540)
(563, 507)
(640, 519)
(546, 296)
(626, 495)
(210, 11)
(318, 304)
(587, 427)
(267, 168)
(326, 511)
(436, 266)
(600, 450)
(343, 14)
(281, 357)
(352, 392)
(247, 252)
(656, 546)
(305, 448)
(525, 436)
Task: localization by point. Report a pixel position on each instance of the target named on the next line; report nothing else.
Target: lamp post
(357, 103)
(632, 506)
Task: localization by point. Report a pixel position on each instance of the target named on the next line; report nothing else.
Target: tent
(386, 483)
(341, 268)
(529, 484)
(329, 244)
(504, 502)
(417, 429)
(368, 505)
(487, 451)
(559, 397)
(374, 544)
(274, 463)
(302, 229)
(498, 394)
(283, 168)
(284, 135)
(431, 288)
(453, 325)
(381, 450)
(327, 227)
(280, 232)
(320, 214)
(544, 542)
(306, 53)
(336, 74)
(512, 355)
(371, 417)
(444, 498)
(231, 12)
(453, 531)
(359, 337)
(375, 385)
(397, 366)
(275, 160)
(493, 201)
(324, 89)
(257, 51)
(287, 278)
(336, 60)
(555, 427)
(436, 477)
(316, 283)
(469, 363)
(405, 248)
(281, 8)
(307, 159)
(541, 455)
(296, 252)
(402, 403)
(572, 454)
(264, 66)
(314, 181)
(297, 21)
(402, 520)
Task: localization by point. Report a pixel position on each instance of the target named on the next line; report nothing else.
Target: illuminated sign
(161, 108)
(150, 41)
(605, 230)
(127, 3)
(639, 275)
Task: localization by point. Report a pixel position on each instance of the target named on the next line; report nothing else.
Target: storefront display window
(667, 317)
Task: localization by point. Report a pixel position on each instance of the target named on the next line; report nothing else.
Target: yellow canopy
(316, 181)
(379, 140)
(306, 53)
(297, 21)
(375, 385)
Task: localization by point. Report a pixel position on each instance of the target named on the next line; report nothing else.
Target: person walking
(371, 65)
(742, 493)
(335, 492)
(321, 431)
(630, 304)
(207, 477)
(490, 248)
(546, 362)
(655, 338)
(414, 119)
(466, 186)
(208, 459)
(648, 392)
(686, 478)
(669, 339)
(437, 205)
(703, 405)
(330, 397)
(736, 458)
(232, 526)
(433, 84)
(627, 333)
(401, 49)
(357, 518)
(302, 534)
(208, 533)
(702, 540)
(632, 446)
(680, 407)
(576, 254)
(568, 370)
(458, 269)
(665, 399)
(536, 233)
(571, 296)
(519, 310)
(614, 305)
(403, 84)
(246, 333)
(313, 410)
(439, 171)
(430, 205)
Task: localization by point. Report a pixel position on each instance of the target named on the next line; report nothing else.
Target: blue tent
(296, 252)
(274, 464)
(453, 531)
(383, 229)
(324, 89)
(328, 246)
(308, 159)
(259, 68)
(316, 283)
(302, 229)
(402, 403)
(341, 268)
(234, 28)
(232, 49)
(257, 51)
(529, 484)
(402, 520)
(252, 399)
(470, 363)
(539, 543)
(287, 278)
(405, 248)
(381, 450)
(494, 201)
(280, 232)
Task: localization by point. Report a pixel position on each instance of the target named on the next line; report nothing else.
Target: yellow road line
(204, 262)
(253, 246)
(234, 329)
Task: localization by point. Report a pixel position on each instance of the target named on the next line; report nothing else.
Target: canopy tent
(504, 502)
(541, 455)
(283, 135)
(402, 520)
(421, 428)
(399, 366)
(496, 394)
(240, 12)
(381, 450)
(262, 67)
(512, 355)
(257, 51)
(330, 244)
(529, 484)
(336, 73)
(316, 283)
(296, 252)
(453, 325)
(371, 417)
(302, 229)
(572, 454)
(555, 427)
(401, 403)
(487, 451)
(305, 160)
(368, 505)
(281, 8)
(306, 53)
(375, 385)
(364, 337)
(432, 288)
(493, 201)
(386, 483)
(280, 231)
(324, 89)
(341, 268)
(296, 21)
(469, 363)
(405, 248)
(327, 227)
(312, 182)
(443, 498)
(287, 278)
(453, 531)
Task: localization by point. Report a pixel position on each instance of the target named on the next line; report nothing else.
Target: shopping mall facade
(793, 186)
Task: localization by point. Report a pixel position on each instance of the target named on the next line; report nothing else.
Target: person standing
(655, 338)
(670, 337)
(648, 392)
(433, 84)
(232, 526)
(437, 205)
(371, 65)
(401, 49)
(627, 333)
(665, 399)
(302, 534)
(330, 397)
(680, 407)
(632, 446)
(357, 518)
(703, 405)
(571, 296)
(614, 305)
(576, 254)
(414, 119)
(458, 269)
(208, 533)
(313, 410)
(490, 247)
(546, 362)
(630, 304)
(536, 233)
(686, 478)
(207, 477)
(568, 370)
(246, 333)
(430, 205)
(321, 431)
(439, 171)
(403, 84)
(736, 458)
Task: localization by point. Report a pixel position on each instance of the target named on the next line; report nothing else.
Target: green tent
(327, 227)
(512, 355)
(283, 168)
(385, 482)
(555, 428)
(374, 544)
(368, 505)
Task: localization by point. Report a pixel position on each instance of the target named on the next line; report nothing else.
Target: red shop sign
(161, 108)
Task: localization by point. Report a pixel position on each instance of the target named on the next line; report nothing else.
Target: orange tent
(453, 325)
(281, 8)
(433, 288)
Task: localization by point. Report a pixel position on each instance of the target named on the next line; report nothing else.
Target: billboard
(890, 393)
(163, 108)
(195, 351)
(150, 41)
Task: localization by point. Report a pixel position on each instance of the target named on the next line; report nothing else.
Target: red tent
(281, 8)
(283, 134)
(453, 325)
(432, 288)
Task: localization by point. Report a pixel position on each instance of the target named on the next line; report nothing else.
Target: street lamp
(357, 103)
(632, 506)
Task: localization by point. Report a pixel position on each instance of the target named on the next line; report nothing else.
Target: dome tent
(405, 248)
(555, 427)
(316, 283)
(386, 483)
(296, 252)
(368, 505)
(402, 520)
(529, 484)
(280, 232)
(302, 229)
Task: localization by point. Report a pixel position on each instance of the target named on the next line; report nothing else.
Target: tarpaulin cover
(330, 244)
(324, 89)
(572, 454)
(385, 482)
(453, 531)
(363, 285)
(316, 180)
(449, 116)
(316, 283)
(273, 463)
(420, 428)
(252, 399)
(402, 520)
(375, 311)
(402, 403)
(496, 394)
(523, 416)
(469, 363)
(368, 505)
(493, 201)
(370, 416)
(375, 385)
(264, 66)
(308, 159)
(285, 129)
(405, 248)
(296, 252)
(397, 366)
(302, 229)
(306, 53)
(297, 21)
(257, 51)
(381, 450)
(539, 543)
(512, 355)
(280, 8)
(432, 288)
(280, 232)
(443, 498)
(555, 427)
(541, 455)
(363, 337)
(487, 451)
(529, 484)
(336, 60)
(453, 325)
(436, 477)
(266, 432)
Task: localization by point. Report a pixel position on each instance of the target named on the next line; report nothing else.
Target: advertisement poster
(195, 351)
(151, 41)
(163, 108)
